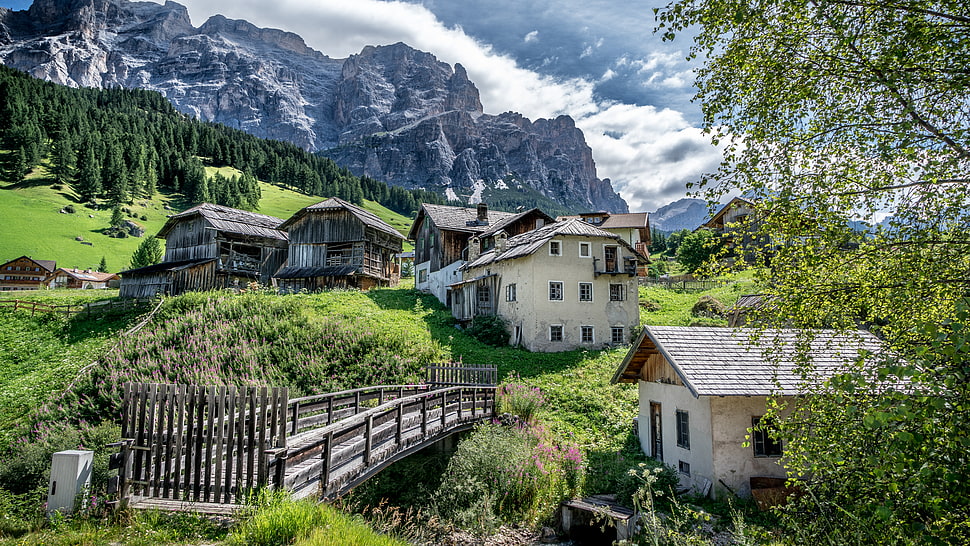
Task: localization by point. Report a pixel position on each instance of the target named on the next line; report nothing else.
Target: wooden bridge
(207, 448)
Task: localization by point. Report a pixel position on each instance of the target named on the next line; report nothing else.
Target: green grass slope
(34, 226)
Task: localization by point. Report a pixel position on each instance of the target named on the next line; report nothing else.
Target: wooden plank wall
(190, 240)
(197, 443)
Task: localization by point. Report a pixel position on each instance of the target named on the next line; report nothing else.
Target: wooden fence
(691, 285)
(96, 307)
(459, 374)
(205, 444)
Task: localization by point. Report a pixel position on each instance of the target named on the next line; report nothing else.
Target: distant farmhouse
(702, 388)
(208, 247)
(441, 236)
(335, 244)
(25, 273)
(82, 279)
(560, 286)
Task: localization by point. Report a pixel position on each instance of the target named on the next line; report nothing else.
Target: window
(555, 248)
(555, 332)
(616, 335)
(585, 250)
(586, 334)
(683, 429)
(484, 294)
(585, 291)
(510, 292)
(423, 276)
(765, 445)
(555, 291)
(616, 292)
(683, 467)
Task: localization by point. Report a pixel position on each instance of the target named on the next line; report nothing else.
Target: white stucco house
(701, 389)
(562, 286)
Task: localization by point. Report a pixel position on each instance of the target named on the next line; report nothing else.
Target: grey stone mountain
(391, 112)
(681, 214)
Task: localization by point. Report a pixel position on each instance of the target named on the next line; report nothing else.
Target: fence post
(400, 422)
(325, 471)
(368, 439)
(424, 415)
(296, 416)
(444, 406)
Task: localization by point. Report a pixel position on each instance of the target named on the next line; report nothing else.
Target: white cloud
(642, 162)
(532, 37)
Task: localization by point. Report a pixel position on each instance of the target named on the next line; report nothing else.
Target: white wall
(437, 282)
(700, 455)
(533, 312)
(734, 463)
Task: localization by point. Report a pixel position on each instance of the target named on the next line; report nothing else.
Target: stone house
(702, 388)
(632, 227)
(562, 286)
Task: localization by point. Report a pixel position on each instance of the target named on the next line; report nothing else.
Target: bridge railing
(345, 452)
(310, 412)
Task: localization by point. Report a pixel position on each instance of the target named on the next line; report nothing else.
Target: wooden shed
(210, 247)
(335, 244)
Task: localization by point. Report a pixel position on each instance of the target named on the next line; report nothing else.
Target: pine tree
(149, 252)
(103, 266)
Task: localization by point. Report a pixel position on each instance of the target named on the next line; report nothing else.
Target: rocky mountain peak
(391, 112)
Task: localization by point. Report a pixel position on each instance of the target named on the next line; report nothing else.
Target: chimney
(483, 214)
(501, 241)
(474, 248)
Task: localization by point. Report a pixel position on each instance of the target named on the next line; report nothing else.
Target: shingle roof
(749, 362)
(493, 228)
(334, 203)
(456, 218)
(87, 275)
(167, 266)
(231, 220)
(526, 243)
(49, 265)
(627, 220)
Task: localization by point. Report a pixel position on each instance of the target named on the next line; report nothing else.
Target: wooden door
(609, 255)
(656, 432)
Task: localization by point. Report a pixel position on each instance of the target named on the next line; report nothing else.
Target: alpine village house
(561, 286)
(209, 247)
(702, 388)
(335, 244)
(441, 237)
(25, 273)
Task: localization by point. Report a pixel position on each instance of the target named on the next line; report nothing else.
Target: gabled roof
(294, 272)
(49, 265)
(334, 203)
(746, 361)
(626, 220)
(455, 218)
(723, 210)
(493, 228)
(85, 274)
(526, 243)
(230, 220)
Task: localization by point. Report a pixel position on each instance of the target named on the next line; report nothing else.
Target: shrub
(277, 520)
(709, 307)
(520, 400)
(490, 330)
(69, 209)
(508, 474)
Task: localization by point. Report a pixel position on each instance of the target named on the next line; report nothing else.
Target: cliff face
(392, 112)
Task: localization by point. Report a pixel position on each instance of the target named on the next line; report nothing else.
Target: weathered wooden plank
(229, 439)
(199, 451)
(218, 438)
(179, 408)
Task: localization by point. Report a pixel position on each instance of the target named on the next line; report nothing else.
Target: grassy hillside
(34, 226)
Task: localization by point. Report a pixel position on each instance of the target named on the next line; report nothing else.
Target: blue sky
(596, 60)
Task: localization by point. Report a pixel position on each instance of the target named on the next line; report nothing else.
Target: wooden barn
(335, 244)
(209, 247)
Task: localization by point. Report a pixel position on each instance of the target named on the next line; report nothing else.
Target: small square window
(616, 292)
(423, 276)
(683, 429)
(585, 291)
(555, 291)
(616, 335)
(555, 248)
(510, 292)
(585, 250)
(484, 294)
(555, 332)
(683, 467)
(586, 334)
(764, 438)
